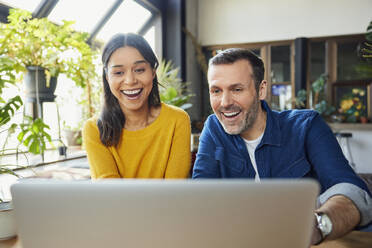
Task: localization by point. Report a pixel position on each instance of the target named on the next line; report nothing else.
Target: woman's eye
(118, 73)
(140, 70)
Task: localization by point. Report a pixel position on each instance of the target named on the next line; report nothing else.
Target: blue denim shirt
(295, 144)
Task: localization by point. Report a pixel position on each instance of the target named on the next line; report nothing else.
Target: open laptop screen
(164, 213)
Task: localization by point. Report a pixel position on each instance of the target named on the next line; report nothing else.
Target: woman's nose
(129, 78)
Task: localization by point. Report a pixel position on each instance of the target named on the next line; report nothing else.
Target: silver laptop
(164, 213)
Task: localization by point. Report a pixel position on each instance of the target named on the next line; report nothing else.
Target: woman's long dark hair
(112, 119)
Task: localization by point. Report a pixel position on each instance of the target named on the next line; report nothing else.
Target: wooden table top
(354, 239)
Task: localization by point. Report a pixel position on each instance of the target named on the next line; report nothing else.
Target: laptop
(164, 213)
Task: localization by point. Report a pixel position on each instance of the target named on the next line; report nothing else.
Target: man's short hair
(231, 55)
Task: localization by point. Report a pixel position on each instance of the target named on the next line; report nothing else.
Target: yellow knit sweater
(160, 150)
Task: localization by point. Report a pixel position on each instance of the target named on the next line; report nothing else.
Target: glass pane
(348, 62)
(72, 10)
(150, 37)
(29, 5)
(281, 97)
(129, 17)
(317, 60)
(280, 64)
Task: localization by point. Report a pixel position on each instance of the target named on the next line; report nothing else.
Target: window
(72, 10)
(281, 96)
(317, 60)
(280, 77)
(129, 17)
(280, 64)
(29, 5)
(348, 62)
(347, 77)
(150, 38)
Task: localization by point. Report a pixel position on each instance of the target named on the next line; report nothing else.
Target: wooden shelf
(351, 126)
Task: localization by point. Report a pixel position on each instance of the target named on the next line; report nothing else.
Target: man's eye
(238, 89)
(215, 91)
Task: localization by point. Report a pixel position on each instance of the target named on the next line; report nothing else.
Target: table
(354, 239)
(12, 243)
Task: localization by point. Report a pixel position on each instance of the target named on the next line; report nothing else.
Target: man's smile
(230, 114)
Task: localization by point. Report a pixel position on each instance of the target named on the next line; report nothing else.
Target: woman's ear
(105, 72)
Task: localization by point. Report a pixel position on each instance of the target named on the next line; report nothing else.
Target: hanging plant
(39, 42)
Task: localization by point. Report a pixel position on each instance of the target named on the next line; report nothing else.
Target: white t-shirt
(251, 147)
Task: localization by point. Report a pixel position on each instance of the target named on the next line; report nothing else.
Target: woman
(136, 135)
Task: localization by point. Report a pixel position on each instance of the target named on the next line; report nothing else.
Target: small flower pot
(7, 226)
(62, 150)
(363, 119)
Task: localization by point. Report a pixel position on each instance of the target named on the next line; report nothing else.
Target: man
(244, 138)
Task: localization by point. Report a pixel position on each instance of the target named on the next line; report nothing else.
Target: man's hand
(316, 236)
(343, 214)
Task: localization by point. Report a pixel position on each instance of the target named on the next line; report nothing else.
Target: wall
(244, 21)
(360, 144)
(361, 148)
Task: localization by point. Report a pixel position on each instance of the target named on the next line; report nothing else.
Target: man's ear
(262, 90)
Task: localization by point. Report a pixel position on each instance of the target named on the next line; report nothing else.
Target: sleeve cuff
(360, 198)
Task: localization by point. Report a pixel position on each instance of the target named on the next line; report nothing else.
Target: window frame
(330, 62)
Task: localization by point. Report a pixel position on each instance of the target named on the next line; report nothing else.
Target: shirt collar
(272, 135)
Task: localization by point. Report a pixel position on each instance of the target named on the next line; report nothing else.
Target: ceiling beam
(104, 20)
(44, 8)
(4, 12)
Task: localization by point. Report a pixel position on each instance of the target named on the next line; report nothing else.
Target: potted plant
(365, 54)
(172, 91)
(72, 135)
(43, 50)
(317, 98)
(352, 106)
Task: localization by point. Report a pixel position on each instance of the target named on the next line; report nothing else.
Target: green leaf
(172, 91)
(8, 110)
(4, 170)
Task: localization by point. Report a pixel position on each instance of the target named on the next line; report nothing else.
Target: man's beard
(247, 122)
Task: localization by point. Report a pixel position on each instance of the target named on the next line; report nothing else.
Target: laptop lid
(164, 213)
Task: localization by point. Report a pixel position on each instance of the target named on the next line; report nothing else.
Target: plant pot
(72, 137)
(35, 79)
(7, 226)
(363, 119)
(62, 150)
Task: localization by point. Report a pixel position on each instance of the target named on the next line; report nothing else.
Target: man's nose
(226, 99)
